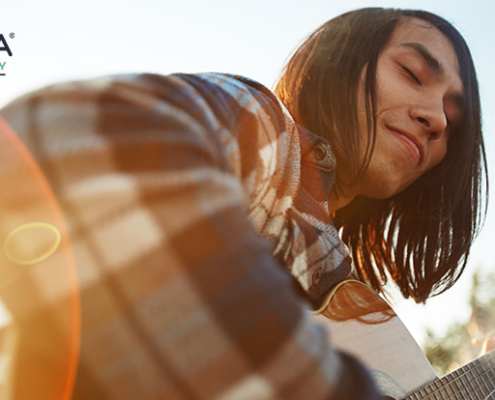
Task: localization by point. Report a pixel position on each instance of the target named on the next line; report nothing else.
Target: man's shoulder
(228, 89)
(219, 89)
(224, 81)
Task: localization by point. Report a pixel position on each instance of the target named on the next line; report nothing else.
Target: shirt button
(320, 152)
(317, 276)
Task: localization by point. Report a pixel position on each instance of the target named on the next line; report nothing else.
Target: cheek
(438, 153)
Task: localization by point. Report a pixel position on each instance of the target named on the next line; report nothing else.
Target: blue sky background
(65, 40)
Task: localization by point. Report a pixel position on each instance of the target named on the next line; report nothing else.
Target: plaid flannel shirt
(183, 197)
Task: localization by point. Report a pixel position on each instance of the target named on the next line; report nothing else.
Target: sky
(63, 40)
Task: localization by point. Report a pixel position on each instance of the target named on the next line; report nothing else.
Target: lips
(412, 144)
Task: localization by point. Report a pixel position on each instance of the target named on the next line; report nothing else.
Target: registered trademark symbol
(12, 35)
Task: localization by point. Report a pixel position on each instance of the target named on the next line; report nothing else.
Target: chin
(384, 190)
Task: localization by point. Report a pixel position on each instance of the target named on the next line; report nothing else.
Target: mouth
(412, 144)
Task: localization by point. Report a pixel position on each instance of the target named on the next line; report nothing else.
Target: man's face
(419, 93)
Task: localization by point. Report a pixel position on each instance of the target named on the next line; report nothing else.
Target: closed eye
(412, 75)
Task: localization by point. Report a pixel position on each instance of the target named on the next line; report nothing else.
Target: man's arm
(181, 298)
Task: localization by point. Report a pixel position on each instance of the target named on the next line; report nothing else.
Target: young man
(420, 85)
(185, 195)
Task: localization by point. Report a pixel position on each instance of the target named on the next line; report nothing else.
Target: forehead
(415, 30)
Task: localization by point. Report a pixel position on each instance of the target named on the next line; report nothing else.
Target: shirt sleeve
(180, 296)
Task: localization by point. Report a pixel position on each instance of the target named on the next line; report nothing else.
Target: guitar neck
(473, 381)
(361, 323)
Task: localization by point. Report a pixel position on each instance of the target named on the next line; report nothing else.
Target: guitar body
(363, 324)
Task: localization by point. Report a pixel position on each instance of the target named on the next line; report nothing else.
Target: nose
(432, 117)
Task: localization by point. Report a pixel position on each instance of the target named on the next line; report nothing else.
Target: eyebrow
(430, 60)
(436, 67)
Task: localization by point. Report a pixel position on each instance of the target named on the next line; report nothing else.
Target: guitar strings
(491, 395)
(451, 382)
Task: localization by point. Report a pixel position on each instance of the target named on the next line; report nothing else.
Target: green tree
(462, 342)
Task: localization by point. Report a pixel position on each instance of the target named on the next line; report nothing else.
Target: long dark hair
(421, 237)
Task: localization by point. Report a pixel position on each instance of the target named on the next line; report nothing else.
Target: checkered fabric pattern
(187, 199)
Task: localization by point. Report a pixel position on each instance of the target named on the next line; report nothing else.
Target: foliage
(463, 341)
(442, 352)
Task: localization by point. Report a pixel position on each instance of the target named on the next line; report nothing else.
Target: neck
(342, 192)
(336, 202)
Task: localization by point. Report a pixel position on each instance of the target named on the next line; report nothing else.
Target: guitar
(363, 324)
